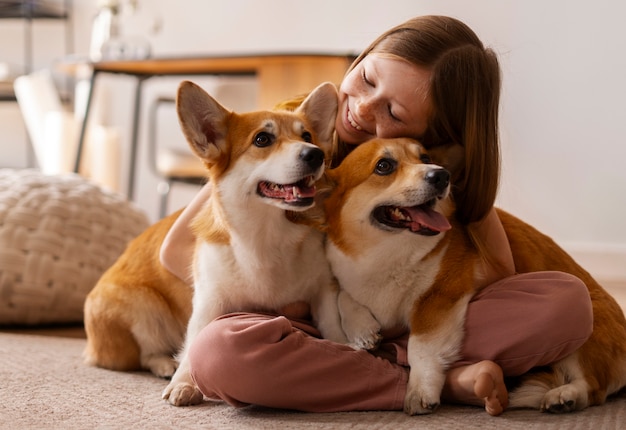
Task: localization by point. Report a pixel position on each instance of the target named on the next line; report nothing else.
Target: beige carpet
(44, 385)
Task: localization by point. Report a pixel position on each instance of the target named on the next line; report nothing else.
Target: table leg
(134, 143)
(83, 128)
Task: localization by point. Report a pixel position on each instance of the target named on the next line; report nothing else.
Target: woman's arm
(498, 259)
(178, 246)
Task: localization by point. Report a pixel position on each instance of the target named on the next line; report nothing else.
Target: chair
(178, 164)
(170, 164)
(51, 128)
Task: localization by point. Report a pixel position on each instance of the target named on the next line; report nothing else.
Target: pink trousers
(520, 322)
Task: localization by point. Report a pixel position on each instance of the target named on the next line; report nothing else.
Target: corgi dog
(253, 251)
(401, 258)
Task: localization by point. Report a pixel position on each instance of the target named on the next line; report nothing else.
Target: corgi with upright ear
(401, 258)
(254, 250)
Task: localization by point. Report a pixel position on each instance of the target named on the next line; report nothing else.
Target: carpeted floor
(45, 385)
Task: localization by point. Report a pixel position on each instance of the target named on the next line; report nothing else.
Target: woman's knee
(225, 357)
(528, 320)
(572, 302)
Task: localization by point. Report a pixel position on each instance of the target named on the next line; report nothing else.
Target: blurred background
(563, 116)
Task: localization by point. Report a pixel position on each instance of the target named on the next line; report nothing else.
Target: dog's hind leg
(157, 352)
(132, 332)
(561, 389)
(110, 344)
(572, 395)
(160, 335)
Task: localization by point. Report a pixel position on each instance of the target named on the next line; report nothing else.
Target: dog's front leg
(426, 378)
(432, 347)
(360, 326)
(325, 312)
(182, 391)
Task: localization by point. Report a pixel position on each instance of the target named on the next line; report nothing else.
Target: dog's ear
(202, 120)
(320, 108)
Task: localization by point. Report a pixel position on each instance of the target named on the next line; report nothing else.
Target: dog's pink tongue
(426, 217)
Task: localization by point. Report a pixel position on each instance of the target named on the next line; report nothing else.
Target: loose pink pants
(520, 322)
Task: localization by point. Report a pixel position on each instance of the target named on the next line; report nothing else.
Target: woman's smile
(352, 122)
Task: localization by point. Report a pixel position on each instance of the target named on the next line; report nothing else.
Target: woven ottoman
(58, 234)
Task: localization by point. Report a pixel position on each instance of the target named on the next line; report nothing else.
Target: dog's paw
(360, 326)
(367, 341)
(418, 403)
(182, 394)
(362, 330)
(162, 366)
(563, 399)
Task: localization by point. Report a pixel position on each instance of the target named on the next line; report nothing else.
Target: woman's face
(383, 96)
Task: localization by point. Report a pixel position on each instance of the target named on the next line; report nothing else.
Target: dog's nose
(312, 156)
(439, 178)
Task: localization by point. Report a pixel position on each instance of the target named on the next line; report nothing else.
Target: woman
(429, 78)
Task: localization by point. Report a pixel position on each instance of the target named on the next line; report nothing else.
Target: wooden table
(280, 77)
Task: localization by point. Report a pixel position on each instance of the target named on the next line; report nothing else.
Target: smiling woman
(383, 96)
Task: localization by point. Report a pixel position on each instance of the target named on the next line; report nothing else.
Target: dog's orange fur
(443, 279)
(603, 357)
(137, 289)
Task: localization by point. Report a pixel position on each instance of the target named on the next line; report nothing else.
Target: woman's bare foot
(480, 384)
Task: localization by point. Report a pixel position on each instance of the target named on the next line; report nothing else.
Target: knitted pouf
(58, 234)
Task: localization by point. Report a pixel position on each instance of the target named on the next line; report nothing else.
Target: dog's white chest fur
(238, 277)
(386, 278)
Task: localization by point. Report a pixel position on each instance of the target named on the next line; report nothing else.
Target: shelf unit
(29, 11)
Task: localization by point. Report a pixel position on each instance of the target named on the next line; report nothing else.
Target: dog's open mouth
(422, 219)
(300, 193)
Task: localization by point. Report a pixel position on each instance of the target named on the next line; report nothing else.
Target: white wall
(563, 110)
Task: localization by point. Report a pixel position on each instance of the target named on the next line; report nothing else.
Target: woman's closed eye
(371, 84)
(365, 79)
(391, 114)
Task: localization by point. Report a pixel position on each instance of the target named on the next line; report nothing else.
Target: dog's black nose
(439, 178)
(313, 157)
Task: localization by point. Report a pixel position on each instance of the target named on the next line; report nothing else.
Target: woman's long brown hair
(465, 97)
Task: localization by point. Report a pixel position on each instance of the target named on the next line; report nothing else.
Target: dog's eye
(263, 139)
(385, 166)
(306, 136)
(426, 159)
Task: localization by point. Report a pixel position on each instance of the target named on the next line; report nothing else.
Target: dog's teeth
(399, 214)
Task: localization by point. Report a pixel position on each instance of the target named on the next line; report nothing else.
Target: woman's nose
(365, 108)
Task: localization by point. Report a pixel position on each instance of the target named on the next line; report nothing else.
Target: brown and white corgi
(396, 249)
(251, 253)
